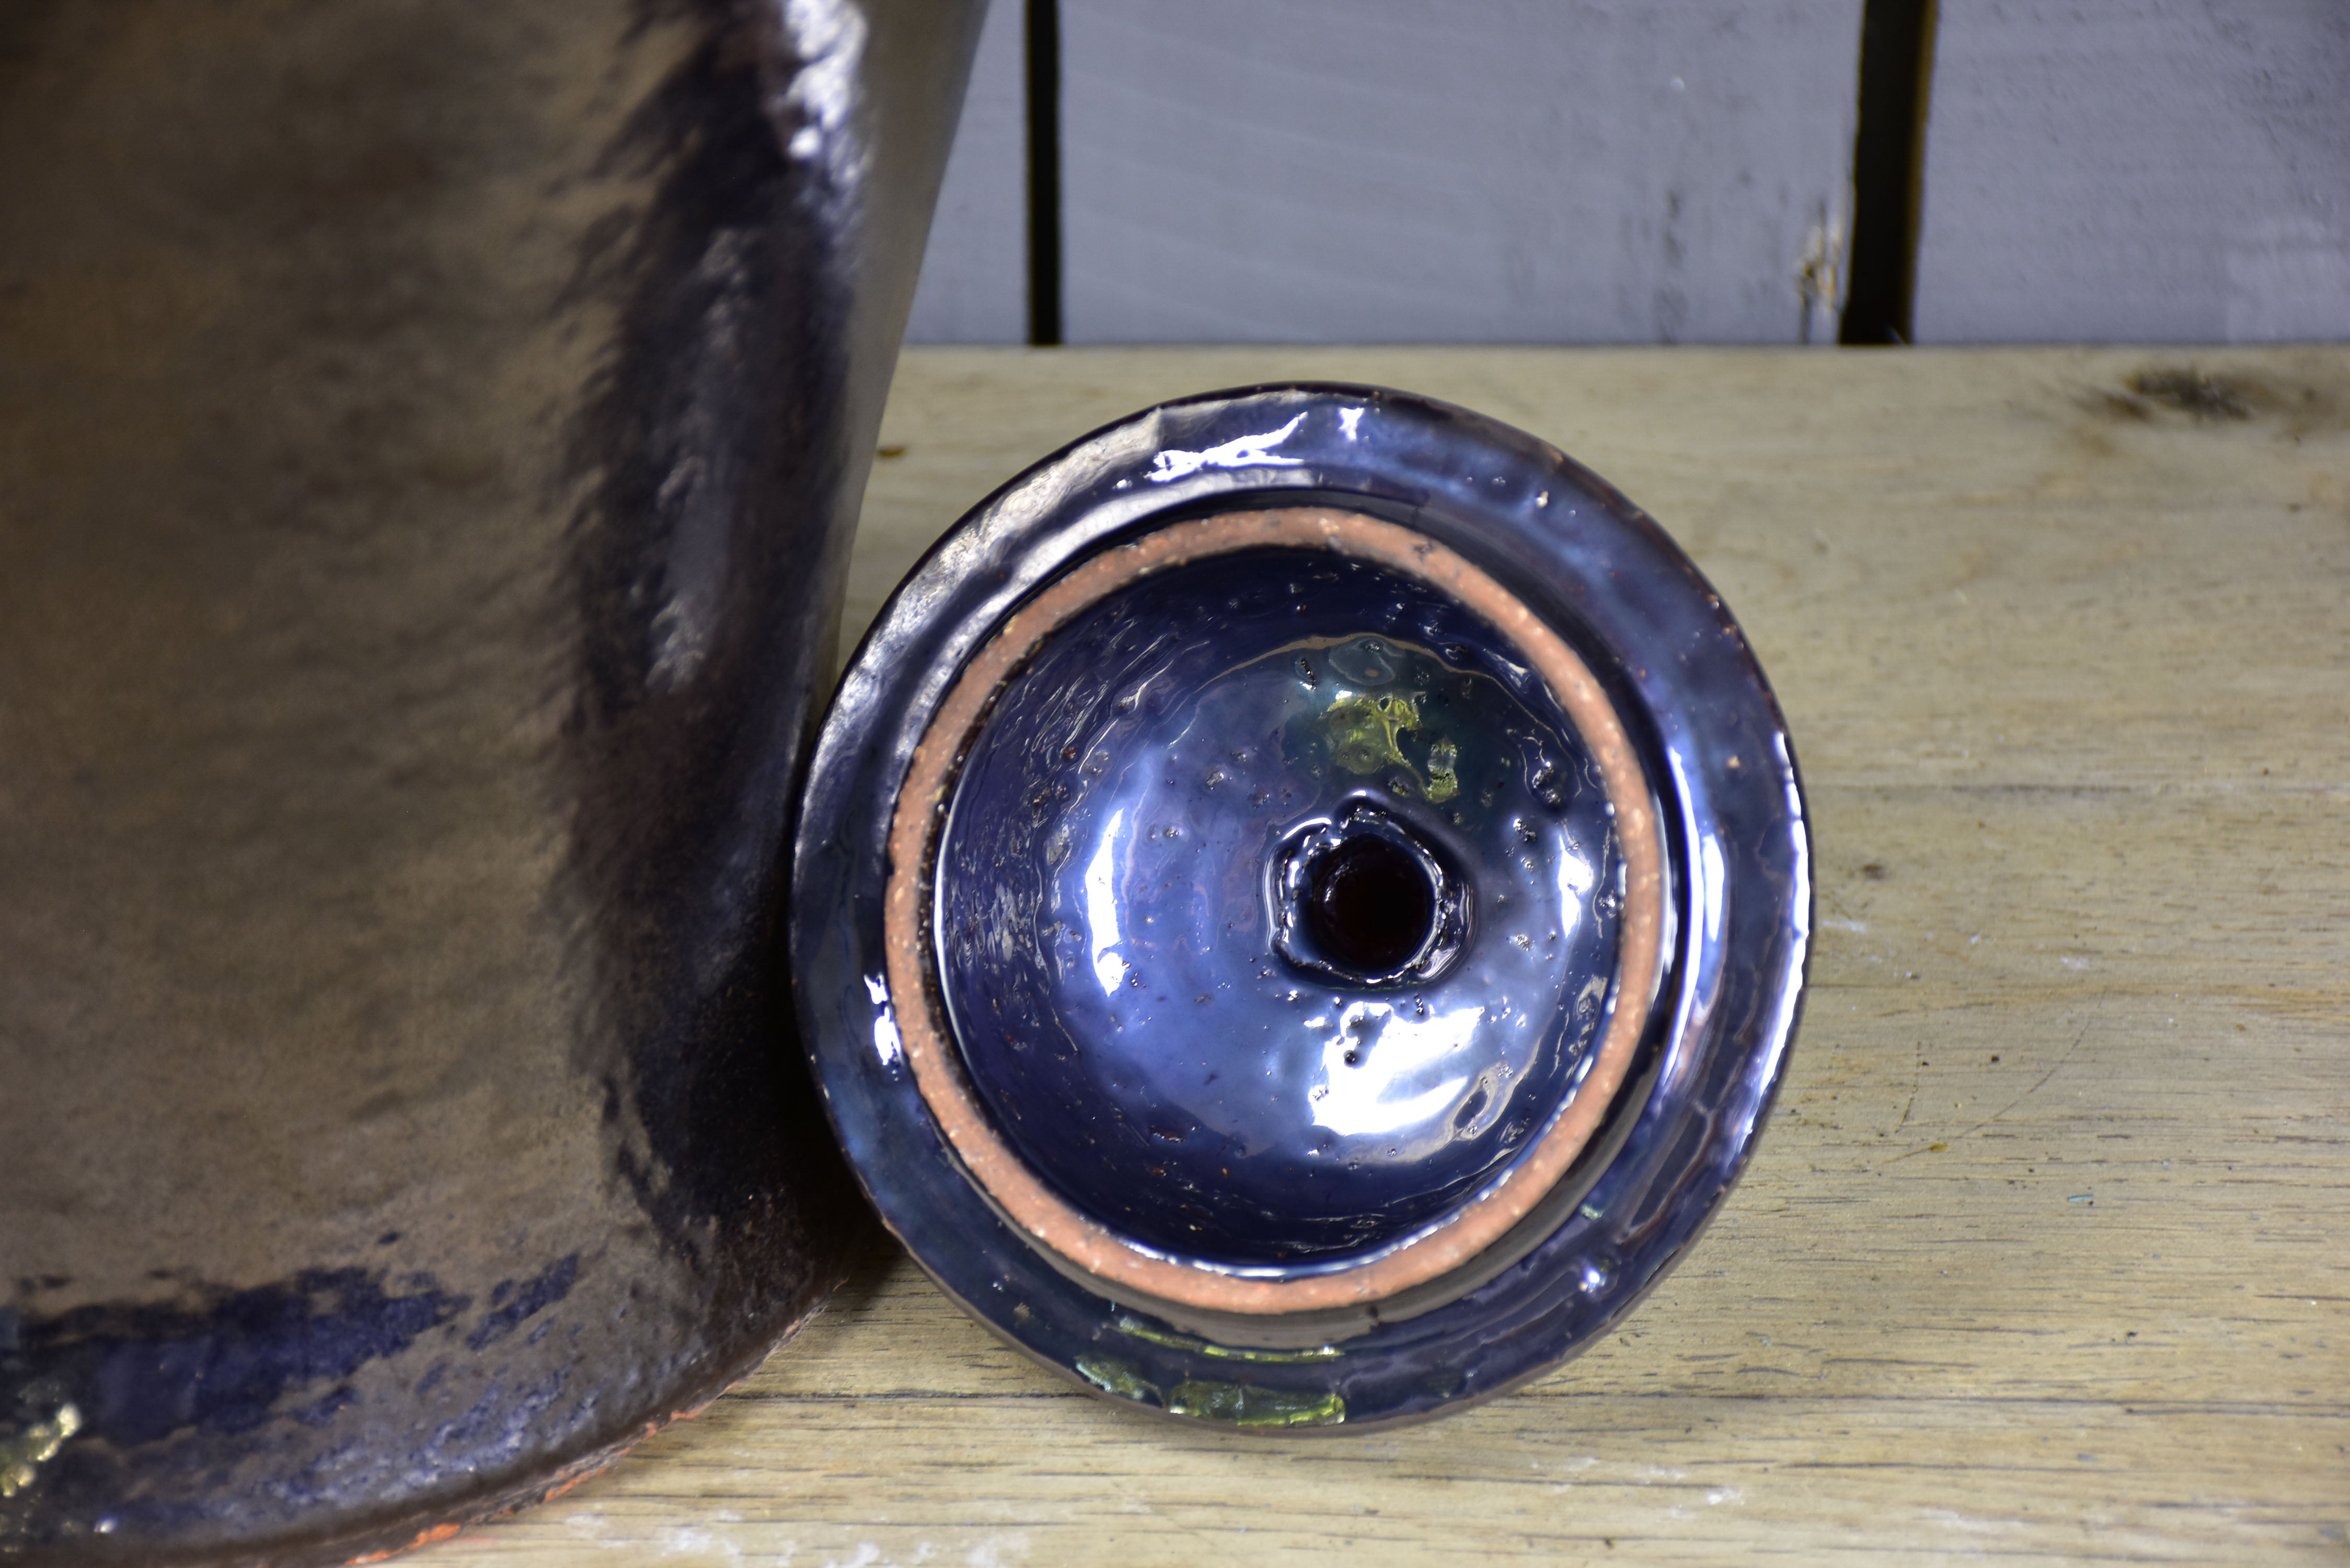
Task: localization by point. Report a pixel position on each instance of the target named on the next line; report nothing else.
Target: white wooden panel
(1480, 170)
(974, 282)
(2105, 170)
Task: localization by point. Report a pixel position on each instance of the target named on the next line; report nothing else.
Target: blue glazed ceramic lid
(1301, 904)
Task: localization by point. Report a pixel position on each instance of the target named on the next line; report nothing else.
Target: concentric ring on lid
(1071, 1216)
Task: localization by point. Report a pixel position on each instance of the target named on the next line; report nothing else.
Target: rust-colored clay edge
(926, 1039)
(433, 1536)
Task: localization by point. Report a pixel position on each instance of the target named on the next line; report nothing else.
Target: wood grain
(2044, 1253)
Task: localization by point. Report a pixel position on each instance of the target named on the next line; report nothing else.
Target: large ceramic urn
(430, 434)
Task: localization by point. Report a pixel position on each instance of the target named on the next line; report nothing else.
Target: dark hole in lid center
(1372, 906)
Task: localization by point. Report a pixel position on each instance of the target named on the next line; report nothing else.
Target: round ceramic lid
(1299, 906)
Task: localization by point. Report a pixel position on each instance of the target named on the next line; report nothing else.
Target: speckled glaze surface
(435, 429)
(1166, 786)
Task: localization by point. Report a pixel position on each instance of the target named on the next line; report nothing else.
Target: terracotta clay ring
(1051, 1220)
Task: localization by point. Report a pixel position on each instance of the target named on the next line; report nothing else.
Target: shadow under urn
(1273, 945)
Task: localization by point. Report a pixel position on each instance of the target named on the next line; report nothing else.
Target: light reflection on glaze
(886, 1044)
(1385, 1089)
(1101, 907)
(1243, 452)
(1104, 887)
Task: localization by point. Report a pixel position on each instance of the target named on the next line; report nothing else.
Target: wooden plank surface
(2044, 1254)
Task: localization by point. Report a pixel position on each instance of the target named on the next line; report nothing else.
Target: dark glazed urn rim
(1736, 911)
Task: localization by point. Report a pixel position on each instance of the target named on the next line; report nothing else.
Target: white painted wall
(1482, 171)
(974, 282)
(1485, 170)
(2116, 169)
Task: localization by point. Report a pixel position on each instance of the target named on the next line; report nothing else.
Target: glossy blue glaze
(1133, 977)
(1716, 752)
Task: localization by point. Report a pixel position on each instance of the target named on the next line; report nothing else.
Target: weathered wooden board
(1494, 171)
(975, 281)
(2046, 1252)
(2136, 168)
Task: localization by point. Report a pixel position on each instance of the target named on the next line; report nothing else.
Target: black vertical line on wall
(1888, 168)
(1043, 27)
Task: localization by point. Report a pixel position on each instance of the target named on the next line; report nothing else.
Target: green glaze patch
(22, 1456)
(1362, 730)
(1136, 1328)
(1443, 771)
(1240, 1405)
(1122, 1378)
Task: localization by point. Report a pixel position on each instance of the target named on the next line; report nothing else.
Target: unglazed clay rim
(927, 1039)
